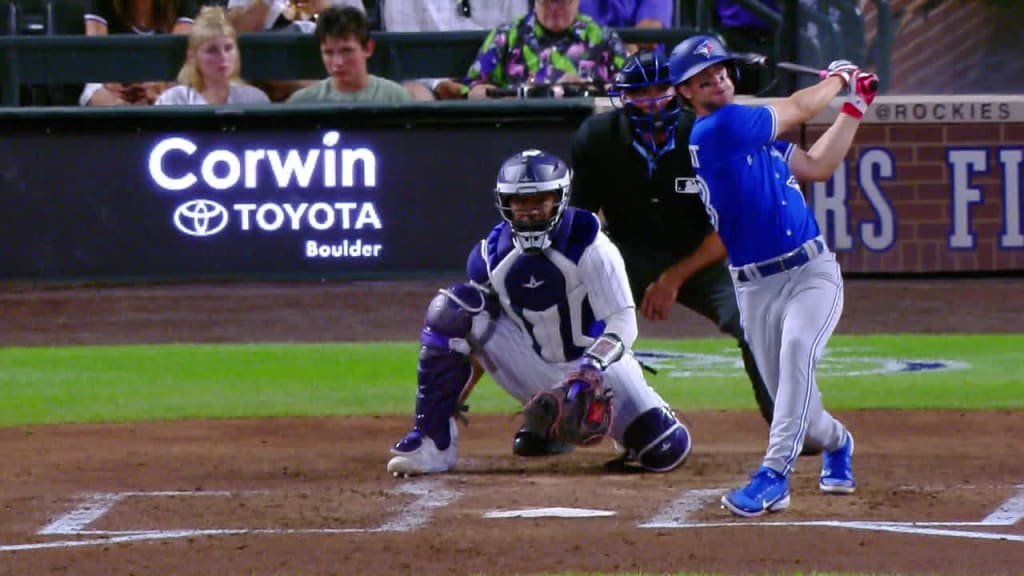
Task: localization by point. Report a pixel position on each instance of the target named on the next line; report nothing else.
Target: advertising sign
(306, 202)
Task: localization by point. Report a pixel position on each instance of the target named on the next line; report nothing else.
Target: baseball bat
(762, 60)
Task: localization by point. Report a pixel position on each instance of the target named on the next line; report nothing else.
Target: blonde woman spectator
(210, 73)
(143, 17)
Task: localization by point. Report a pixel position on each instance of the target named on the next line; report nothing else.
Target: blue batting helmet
(694, 54)
(527, 173)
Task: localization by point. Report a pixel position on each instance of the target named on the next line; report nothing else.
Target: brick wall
(959, 46)
(903, 201)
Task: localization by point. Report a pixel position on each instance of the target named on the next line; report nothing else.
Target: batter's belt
(793, 259)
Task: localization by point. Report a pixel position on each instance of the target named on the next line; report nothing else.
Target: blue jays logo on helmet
(532, 172)
(694, 54)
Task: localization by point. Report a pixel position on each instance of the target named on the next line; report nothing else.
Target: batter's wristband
(851, 110)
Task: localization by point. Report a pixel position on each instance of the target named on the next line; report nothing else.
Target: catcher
(549, 313)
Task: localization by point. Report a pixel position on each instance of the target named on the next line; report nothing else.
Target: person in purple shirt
(629, 13)
(732, 14)
(653, 14)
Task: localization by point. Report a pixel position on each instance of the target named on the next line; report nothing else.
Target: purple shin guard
(444, 366)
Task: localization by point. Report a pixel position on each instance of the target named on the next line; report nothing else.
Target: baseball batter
(788, 283)
(548, 313)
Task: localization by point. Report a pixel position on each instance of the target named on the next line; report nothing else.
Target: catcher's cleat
(528, 444)
(417, 454)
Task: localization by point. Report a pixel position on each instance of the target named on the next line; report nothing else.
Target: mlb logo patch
(687, 186)
(704, 49)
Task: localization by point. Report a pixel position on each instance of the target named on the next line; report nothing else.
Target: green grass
(128, 383)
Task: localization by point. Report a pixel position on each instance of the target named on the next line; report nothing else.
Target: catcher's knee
(456, 316)
(657, 440)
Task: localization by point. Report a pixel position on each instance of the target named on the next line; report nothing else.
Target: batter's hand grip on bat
(865, 83)
(868, 83)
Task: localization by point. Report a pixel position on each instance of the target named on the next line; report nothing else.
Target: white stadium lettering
(271, 216)
(963, 164)
(222, 169)
(344, 249)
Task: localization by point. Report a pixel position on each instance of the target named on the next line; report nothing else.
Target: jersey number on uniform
(551, 328)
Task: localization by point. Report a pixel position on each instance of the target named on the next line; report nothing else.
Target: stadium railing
(74, 59)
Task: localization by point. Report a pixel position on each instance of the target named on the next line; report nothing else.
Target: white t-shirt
(447, 16)
(279, 6)
(187, 96)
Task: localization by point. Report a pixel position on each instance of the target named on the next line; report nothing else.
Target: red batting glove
(861, 96)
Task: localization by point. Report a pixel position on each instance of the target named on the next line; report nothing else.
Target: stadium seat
(51, 17)
(8, 18)
(33, 17)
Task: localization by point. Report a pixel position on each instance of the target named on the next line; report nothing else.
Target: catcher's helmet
(647, 114)
(695, 54)
(526, 173)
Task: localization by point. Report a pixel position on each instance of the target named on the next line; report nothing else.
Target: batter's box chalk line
(428, 495)
(677, 516)
(431, 494)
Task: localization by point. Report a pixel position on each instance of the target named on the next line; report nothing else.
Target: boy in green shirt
(345, 47)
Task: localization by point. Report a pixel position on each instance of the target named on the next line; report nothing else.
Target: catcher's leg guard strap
(444, 366)
(657, 440)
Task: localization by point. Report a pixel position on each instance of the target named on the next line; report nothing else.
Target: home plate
(549, 513)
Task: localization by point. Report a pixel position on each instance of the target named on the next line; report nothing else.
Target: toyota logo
(201, 217)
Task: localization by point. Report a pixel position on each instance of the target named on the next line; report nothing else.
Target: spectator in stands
(554, 43)
(449, 15)
(266, 15)
(297, 16)
(733, 16)
(210, 73)
(745, 31)
(648, 14)
(446, 16)
(133, 17)
(345, 46)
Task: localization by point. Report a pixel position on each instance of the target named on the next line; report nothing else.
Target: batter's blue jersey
(753, 199)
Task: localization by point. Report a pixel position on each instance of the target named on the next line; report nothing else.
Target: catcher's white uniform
(554, 304)
(548, 301)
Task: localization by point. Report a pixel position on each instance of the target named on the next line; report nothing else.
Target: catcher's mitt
(576, 411)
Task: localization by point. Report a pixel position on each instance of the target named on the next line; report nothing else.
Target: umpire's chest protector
(650, 203)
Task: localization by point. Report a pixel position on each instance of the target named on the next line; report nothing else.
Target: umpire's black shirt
(655, 210)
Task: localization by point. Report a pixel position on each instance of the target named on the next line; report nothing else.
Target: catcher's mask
(532, 173)
(643, 90)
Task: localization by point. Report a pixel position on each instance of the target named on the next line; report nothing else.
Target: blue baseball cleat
(837, 469)
(768, 491)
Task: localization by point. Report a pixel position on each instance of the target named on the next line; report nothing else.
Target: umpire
(632, 165)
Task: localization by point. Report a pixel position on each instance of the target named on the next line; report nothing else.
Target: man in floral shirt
(554, 43)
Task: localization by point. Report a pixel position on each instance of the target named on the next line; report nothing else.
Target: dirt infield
(940, 493)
